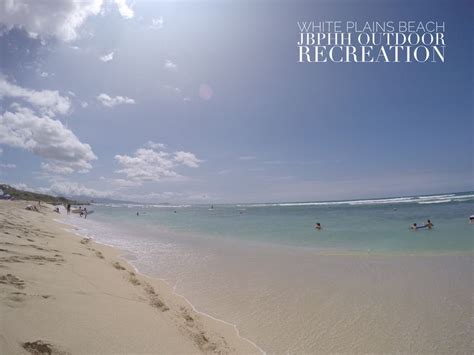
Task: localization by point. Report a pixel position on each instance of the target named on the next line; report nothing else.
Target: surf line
(174, 292)
(237, 331)
(218, 320)
(131, 263)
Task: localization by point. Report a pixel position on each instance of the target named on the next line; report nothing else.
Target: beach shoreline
(293, 298)
(67, 294)
(122, 255)
(125, 287)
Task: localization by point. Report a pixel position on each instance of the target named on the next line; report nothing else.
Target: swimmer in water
(471, 219)
(138, 214)
(317, 226)
(429, 224)
(414, 226)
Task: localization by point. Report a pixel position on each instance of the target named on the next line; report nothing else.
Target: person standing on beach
(68, 208)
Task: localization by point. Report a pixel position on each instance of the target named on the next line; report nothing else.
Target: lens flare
(205, 92)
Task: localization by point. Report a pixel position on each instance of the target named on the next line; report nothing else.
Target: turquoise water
(365, 283)
(363, 225)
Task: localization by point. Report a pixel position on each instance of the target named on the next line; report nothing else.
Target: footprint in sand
(37, 259)
(133, 279)
(40, 347)
(12, 280)
(154, 298)
(85, 241)
(17, 297)
(186, 316)
(118, 266)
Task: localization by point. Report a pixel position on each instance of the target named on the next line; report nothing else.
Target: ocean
(363, 283)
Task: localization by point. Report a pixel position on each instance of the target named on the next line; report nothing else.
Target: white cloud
(84, 104)
(153, 145)
(8, 166)
(157, 23)
(107, 57)
(44, 74)
(121, 183)
(169, 65)
(124, 9)
(57, 18)
(150, 165)
(47, 138)
(57, 168)
(24, 187)
(186, 158)
(146, 165)
(67, 188)
(176, 197)
(108, 101)
(48, 101)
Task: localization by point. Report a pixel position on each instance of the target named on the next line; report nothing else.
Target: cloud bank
(47, 138)
(149, 165)
(47, 101)
(56, 18)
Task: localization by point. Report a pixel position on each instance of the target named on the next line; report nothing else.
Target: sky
(205, 102)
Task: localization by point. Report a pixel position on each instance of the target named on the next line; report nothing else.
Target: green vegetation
(33, 196)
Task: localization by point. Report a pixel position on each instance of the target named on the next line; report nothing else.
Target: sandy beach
(62, 294)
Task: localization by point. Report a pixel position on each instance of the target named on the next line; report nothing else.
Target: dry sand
(61, 294)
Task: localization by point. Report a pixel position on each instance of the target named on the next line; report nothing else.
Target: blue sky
(204, 101)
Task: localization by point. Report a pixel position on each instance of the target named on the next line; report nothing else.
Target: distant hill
(33, 196)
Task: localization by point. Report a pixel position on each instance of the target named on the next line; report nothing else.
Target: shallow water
(365, 283)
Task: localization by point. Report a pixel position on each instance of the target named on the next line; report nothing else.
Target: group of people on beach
(83, 212)
(31, 208)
